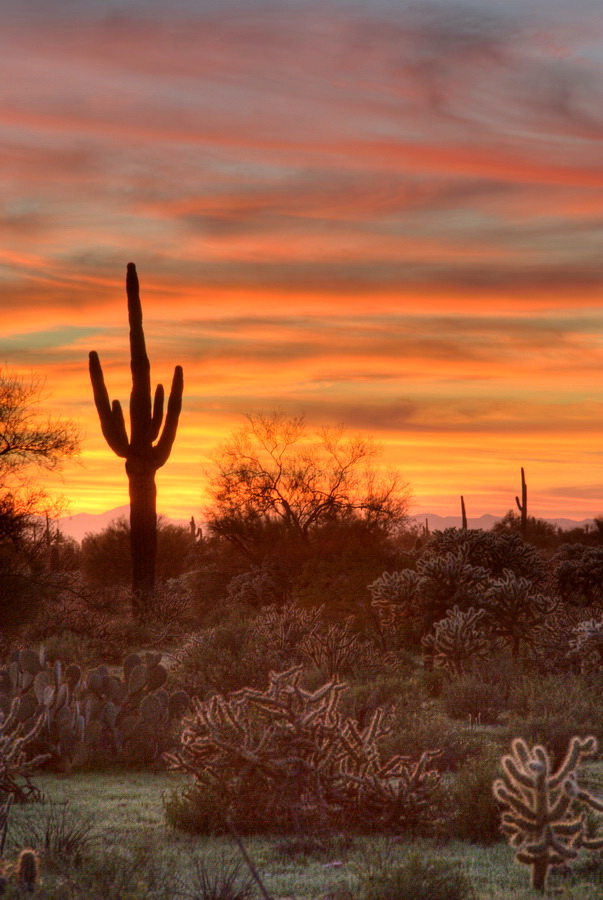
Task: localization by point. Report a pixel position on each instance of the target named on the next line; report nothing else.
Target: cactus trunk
(143, 532)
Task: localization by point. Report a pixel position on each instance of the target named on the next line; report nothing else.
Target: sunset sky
(382, 214)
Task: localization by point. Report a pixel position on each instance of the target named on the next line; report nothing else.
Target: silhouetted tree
(29, 439)
(269, 478)
(27, 436)
(143, 456)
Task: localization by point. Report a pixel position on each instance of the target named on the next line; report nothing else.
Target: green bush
(551, 709)
(220, 660)
(71, 648)
(385, 690)
(195, 810)
(471, 699)
(418, 878)
(477, 816)
(418, 727)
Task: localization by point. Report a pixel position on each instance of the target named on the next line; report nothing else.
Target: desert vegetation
(320, 700)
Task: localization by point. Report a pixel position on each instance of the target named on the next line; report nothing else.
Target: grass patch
(130, 834)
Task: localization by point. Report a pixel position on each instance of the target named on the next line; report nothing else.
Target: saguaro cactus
(463, 514)
(143, 456)
(541, 817)
(523, 506)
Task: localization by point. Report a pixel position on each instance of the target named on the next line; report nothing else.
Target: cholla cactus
(552, 639)
(587, 644)
(540, 817)
(336, 648)
(457, 641)
(26, 870)
(282, 628)
(514, 609)
(390, 594)
(15, 767)
(286, 757)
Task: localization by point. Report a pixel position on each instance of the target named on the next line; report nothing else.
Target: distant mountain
(81, 524)
(439, 523)
(88, 523)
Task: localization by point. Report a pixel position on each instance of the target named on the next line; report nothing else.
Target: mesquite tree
(143, 456)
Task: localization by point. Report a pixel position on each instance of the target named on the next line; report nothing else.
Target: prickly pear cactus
(94, 716)
(131, 717)
(44, 692)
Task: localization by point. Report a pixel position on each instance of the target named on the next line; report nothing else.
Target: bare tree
(27, 435)
(29, 439)
(270, 471)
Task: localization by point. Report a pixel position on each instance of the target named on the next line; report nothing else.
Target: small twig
(247, 858)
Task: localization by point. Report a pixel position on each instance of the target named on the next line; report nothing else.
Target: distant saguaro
(143, 456)
(523, 506)
(463, 514)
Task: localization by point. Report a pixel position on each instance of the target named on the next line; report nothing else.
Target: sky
(380, 214)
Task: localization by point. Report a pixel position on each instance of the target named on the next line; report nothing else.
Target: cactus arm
(162, 449)
(592, 843)
(577, 749)
(140, 397)
(157, 417)
(514, 774)
(111, 417)
(593, 802)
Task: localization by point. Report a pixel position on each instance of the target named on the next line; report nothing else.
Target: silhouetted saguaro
(143, 456)
(463, 514)
(523, 506)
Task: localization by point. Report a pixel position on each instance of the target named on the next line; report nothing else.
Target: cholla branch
(15, 768)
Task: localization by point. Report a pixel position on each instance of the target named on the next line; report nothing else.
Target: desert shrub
(586, 644)
(415, 727)
(242, 650)
(420, 877)
(103, 633)
(223, 658)
(286, 758)
(550, 710)
(386, 690)
(474, 699)
(195, 809)
(71, 648)
(553, 648)
(261, 585)
(106, 556)
(477, 814)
